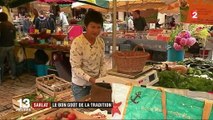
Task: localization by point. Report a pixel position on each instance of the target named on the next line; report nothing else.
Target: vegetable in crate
(172, 79)
(40, 96)
(66, 115)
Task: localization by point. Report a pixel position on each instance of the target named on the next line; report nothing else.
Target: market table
(61, 67)
(209, 46)
(45, 47)
(155, 45)
(157, 48)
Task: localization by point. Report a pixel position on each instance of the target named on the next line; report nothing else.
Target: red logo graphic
(40, 104)
(115, 108)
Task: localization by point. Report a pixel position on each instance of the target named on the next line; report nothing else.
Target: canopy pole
(114, 26)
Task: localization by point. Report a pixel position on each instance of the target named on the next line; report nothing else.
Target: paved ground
(10, 88)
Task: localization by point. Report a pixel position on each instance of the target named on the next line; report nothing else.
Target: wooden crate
(27, 115)
(15, 99)
(79, 115)
(37, 114)
(48, 112)
(60, 89)
(65, 97)
(42, 114)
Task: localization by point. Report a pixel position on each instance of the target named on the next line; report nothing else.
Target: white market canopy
(127, 5)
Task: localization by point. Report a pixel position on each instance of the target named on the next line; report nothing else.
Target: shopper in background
(35, 14)
(87, 56)
(63, 20)
(41, 22)
(7, 42)
(139, 22)
(157, 24)
(26, 24)
(172, 23)
(50, 22)
(130, 23)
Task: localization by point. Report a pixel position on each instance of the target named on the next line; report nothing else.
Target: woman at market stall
(87, 56)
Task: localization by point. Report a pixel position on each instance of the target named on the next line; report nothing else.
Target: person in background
(26, 24)
(63, 20)
(41, 22)
(157, 24)
(211, 29)
(35, 14)
(51, 14)
(87, 56)
(50, 22)
(7, 42)
(172, 23)
(130, 23)
(139, 22)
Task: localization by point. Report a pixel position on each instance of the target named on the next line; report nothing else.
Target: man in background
(7, 42)
(157, 24)
(139, 22)
(50, 22)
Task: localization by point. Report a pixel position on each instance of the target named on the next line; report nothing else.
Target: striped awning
(57, 1)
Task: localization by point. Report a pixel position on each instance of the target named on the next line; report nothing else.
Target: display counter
(148, 44)
(61, 48)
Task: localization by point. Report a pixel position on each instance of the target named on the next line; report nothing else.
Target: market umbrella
(141, 6)
(14, 3)
(1, 2)
(171, 8)
(58, 1)
(131, 5)
(99, 3)
(79, 5)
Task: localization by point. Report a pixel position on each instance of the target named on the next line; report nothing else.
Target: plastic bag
(20, 55)
(131, 102)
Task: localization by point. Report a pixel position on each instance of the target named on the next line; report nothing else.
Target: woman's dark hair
(3, 17)
(93, 16)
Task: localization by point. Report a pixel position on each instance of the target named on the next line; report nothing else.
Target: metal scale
(145, 78)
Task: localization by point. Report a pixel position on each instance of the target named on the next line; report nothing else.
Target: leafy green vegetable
(50, 99)
(32, 97)
(172, 79)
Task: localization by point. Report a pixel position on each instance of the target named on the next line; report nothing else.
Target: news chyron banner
(26, 105)
(196, 11)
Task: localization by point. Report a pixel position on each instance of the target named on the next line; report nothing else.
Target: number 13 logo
(194, 15)
(24, 103)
